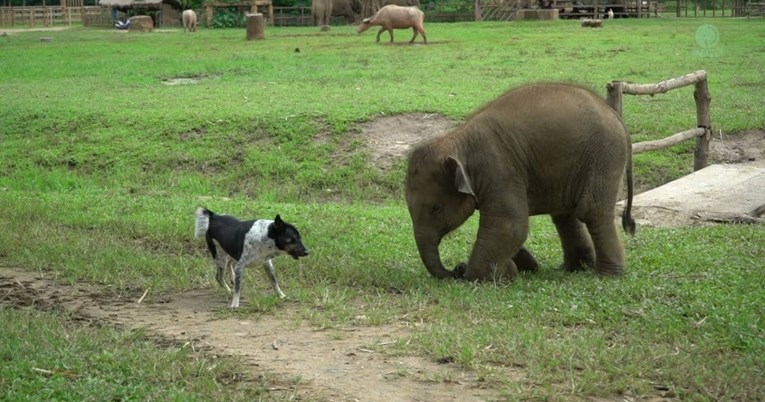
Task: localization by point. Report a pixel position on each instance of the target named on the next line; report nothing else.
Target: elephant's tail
(627, 222)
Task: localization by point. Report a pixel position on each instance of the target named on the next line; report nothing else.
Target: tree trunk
(255, 26)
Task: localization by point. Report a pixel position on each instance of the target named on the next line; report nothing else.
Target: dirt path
(336, 365)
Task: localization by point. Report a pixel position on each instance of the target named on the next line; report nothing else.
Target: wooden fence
(443, 11)
(703, 130)
(44, 16)
(625, 9)
(713, 8)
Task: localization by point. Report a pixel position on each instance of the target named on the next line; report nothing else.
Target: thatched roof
(138, 3)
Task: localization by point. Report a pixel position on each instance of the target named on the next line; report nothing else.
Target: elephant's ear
(461, 179)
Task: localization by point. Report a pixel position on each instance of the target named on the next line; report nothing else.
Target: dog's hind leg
(230, 264)
(272, 276)
(222, 262)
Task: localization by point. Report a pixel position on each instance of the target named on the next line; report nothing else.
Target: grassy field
(102, 164)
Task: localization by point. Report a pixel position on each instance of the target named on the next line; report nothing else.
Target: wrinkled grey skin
(323, 10)
(348, 9)
(540, 149)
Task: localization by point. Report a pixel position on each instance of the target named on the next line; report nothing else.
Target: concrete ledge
(723, 193)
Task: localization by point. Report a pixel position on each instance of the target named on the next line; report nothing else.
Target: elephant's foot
(525, 262)
(580, 260)
(495, 274)
(606, 269)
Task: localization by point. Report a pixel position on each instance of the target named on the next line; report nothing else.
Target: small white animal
(610, 14)
(189, 21)
(393, 17)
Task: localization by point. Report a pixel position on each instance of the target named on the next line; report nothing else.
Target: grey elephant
(539, 149)
(348, 9)
(323, 10)
(402, 3)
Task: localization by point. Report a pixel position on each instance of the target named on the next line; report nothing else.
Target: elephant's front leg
(499, 240)
(525, 261)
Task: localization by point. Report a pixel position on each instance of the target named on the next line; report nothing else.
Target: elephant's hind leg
(609, 251)
(578, 251)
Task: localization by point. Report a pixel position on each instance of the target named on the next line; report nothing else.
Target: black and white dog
(256, 241)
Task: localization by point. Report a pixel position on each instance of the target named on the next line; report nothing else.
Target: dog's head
(287, 238)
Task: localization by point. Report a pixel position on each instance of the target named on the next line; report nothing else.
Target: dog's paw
(234, 302)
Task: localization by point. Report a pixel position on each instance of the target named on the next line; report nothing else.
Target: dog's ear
(278, 222)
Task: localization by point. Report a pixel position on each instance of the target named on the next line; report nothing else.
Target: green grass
(47, 358)
(102, 165)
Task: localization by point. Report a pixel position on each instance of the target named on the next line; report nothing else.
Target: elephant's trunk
(428, 248)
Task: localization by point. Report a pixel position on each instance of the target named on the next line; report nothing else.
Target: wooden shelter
(165, 13)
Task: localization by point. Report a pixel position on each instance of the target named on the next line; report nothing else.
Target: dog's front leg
(272, 276)
(238, 270)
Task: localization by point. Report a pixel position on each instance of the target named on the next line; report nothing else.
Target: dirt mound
(389, 138)
(748, 147)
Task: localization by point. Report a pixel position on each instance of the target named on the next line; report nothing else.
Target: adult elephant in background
(322, 12)
(348, 9)
(370, 7)
(402, 3)
(540, 149)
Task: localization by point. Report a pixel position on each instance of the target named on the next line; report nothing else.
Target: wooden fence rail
(45, 15)
(703, 130)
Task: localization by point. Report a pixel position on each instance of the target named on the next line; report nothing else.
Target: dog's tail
(203, 221)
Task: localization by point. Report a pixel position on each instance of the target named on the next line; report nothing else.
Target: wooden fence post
(703, 120)
(614, 97)
(255, 26)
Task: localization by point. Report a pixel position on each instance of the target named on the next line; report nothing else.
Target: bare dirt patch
(747, 147)
(389, 138)
(315, 364)
(14, 31)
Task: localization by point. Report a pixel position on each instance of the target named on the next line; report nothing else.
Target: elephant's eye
(436, 209)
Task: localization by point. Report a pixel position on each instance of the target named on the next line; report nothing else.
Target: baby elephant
(189, 21)
(393, 17)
